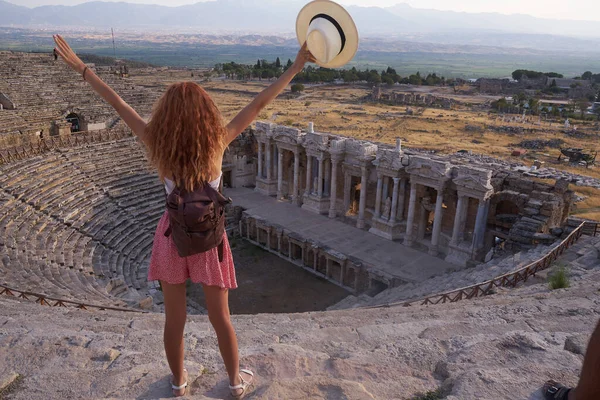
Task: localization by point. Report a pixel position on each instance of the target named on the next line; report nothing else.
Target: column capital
(336, 157)
(396, 181)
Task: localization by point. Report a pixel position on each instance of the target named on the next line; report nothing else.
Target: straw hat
(330, 32)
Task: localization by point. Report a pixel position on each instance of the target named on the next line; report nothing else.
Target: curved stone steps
(449, 281)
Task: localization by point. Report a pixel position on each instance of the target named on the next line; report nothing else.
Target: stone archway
(76, 122)
(506, 208)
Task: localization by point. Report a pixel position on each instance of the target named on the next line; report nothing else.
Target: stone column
(320, 178)
(308, 175)
(386, 188)
(459, 220)
(269, 150)
(327, 181)
(394, 201)
(437, 223)
(378, 196)
(423, 222)
(480, 223)
(279, 242)
(296, 195)
(347, 184)
(333, 192)
(401, 200)
(408, 240)
(260, 160)
(363, 198)
(280, 174)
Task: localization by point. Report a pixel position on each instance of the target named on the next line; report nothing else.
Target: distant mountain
(273, 16)
(439, 21)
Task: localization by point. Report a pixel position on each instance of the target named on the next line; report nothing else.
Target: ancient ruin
(455, 210)
(395, 227)
(408, 98)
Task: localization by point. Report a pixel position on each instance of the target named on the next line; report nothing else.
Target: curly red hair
(186, 136)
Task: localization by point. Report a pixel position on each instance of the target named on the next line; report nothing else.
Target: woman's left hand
(67, 54)
(304, 56)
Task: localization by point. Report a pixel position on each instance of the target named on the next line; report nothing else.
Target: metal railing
(43, 146)
(508, 280)
(44, 300)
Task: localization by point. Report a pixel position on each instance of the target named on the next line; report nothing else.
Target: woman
(186, 140)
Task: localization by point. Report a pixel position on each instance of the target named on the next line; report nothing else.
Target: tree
(500, 104)
(278, 63)
(349, 76)
(289, 64)
(520, 99)
(587, 75)
(297, 88)
(374, 77)
(388, 80)
(257, 66)
(582, 104)
(534, 105)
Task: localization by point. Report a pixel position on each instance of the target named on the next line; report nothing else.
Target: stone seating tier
(72, 227)
(43, 89)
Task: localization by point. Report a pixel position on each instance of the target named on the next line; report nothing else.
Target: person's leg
(175, 316)
(589, 381)
(217, 304)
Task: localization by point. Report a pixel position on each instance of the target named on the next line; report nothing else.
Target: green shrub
(559, 279)
(431, 395)
(307, 104)
(297, 87)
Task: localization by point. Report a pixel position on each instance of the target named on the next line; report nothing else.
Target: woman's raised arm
(249, 113)
(128, 114)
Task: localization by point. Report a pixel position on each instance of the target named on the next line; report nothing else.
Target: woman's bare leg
(175, 316)
(217, 304)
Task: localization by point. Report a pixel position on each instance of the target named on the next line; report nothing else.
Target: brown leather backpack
(197, 220)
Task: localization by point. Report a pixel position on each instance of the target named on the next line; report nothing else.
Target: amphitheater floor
(390, 257)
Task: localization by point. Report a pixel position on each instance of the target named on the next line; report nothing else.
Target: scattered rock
(576, 344)
(146, 304)
(7, 381)
(557, 231)
(524, 342)
(109, 356)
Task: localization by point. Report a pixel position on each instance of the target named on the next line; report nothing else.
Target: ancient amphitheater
(407, 235)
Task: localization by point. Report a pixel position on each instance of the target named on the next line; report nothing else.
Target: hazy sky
(561, 9)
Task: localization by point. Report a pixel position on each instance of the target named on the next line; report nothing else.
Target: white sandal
(182, 387)
(242, 386)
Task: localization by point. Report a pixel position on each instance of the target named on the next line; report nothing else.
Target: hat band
(337, 26)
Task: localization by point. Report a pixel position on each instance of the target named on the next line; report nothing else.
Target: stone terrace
(498, 347)
(385, 261)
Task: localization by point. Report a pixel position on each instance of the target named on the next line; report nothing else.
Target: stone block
(576, 344)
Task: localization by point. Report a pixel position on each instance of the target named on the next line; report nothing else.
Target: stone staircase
(502, 346)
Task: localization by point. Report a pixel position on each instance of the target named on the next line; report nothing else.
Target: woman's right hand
(67, 54)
